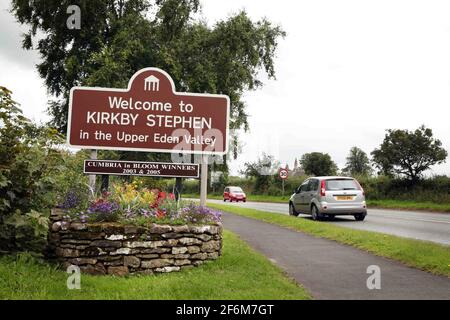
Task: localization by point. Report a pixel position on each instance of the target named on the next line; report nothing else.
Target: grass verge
(423, 255)
(241, 273)
(385, 204)
(410, 205)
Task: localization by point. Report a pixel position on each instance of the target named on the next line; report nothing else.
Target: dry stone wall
(113, 248)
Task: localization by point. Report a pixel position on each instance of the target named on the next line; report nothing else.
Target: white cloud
(349, 70)
(18, 72)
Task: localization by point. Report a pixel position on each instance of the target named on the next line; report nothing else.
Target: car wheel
(360, 217)
(224, 200)
(292, 211)
(315, 213)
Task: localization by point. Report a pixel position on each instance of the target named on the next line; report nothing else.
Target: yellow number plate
(344, 197)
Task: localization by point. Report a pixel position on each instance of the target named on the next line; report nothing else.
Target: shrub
(29, 161)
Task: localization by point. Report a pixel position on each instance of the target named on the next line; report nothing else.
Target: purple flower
(101, 206)
(200, 214)
(71, 200)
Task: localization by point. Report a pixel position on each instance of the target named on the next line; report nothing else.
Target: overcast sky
(346, 72)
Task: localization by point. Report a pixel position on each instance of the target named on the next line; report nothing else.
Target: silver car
(323, 197)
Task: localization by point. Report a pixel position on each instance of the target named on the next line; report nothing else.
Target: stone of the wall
(116, 249)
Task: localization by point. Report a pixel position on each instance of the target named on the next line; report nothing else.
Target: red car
(234, 194)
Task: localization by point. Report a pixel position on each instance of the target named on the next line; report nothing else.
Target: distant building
(297, 170)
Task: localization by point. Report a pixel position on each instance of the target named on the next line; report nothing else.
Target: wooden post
(177, 188)
(92, 176)
(105, 183)
(204, 180)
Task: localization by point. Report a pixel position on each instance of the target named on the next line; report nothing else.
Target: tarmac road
(428, 226)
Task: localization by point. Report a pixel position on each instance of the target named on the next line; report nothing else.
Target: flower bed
(133, 231)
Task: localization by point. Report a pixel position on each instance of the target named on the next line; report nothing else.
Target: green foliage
(318, 164)
(409, 153)
(357, 163)
(29, 161)
(154, 183)
(71, 179)
(220, 183)
(26, 232)
(435, 189)
(262, 171)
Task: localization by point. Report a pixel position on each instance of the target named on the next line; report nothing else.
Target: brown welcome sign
(148, 116)
(140, 168)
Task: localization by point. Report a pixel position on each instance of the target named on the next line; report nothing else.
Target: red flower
(162, 195)
(154, 205)
(171, 196)
(160, 213)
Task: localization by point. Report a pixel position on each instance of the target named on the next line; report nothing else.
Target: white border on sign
(221, 153)
(142, 175)
(283, 170)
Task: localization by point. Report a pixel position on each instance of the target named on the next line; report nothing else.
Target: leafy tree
(28, 161)
(262, 170)
(220, 182)
(318, 164)
(119, 37)
(409, 153)
(357, 163)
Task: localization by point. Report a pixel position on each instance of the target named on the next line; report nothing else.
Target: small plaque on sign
(140, 168)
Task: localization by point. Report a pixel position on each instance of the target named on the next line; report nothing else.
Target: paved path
(410, 224)
(333, 271)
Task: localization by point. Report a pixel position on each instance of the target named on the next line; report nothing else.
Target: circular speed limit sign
(283, 173)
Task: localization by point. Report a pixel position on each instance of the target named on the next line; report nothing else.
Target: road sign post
(92, 177)
(283, 174)
(204, 180)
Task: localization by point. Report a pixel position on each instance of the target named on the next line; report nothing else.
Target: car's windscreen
(341, 184)
(236, 190)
